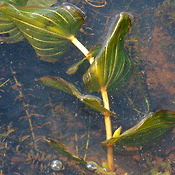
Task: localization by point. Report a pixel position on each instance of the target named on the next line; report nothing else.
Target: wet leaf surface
(90, 100)
(112, 67)
(48, 30)
(146, 133)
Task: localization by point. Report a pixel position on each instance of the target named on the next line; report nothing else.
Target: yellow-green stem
(4, 83)
(108, 129)
(82, 49)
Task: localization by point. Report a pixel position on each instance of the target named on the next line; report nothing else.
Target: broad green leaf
(112, 67)
(9, 33)
(49, 30)
(41, 3)
(91, 101)
(15, 2)
(145, 134)
(91, 166)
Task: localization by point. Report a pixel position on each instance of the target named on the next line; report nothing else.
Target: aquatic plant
(50, 30)
(148, 132)
(110, 71)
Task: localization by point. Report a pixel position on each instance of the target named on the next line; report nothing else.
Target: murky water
(29, 112)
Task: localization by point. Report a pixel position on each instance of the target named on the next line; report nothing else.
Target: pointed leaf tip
(112, 68)
(117, 132)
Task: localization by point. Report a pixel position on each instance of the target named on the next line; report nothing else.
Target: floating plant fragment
(91, 101)
(49, 30)
(143, 135)
(112, 67)
(89, 165)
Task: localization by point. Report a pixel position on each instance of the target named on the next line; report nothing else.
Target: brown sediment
(159, 53)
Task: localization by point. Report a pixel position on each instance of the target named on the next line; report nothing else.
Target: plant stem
(108, 129)
(82, 49)
(4, 83)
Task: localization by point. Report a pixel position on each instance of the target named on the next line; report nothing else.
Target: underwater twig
(108, 129)
(76, 147)
(4, 82)
(26, 110)
(88, 138)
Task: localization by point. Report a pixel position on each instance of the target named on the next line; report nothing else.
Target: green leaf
(61, 148)
(75, 67)
(112, 67)
(91, 101)
(49, 30)
(59, 83)
(9, 33)
(145, 134)
(41, 3)
(95, 103)
(16, 2)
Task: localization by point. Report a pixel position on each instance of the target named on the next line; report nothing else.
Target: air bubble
(92, 166)
(56, 165)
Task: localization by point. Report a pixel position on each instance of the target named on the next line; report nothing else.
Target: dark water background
(60, 116)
